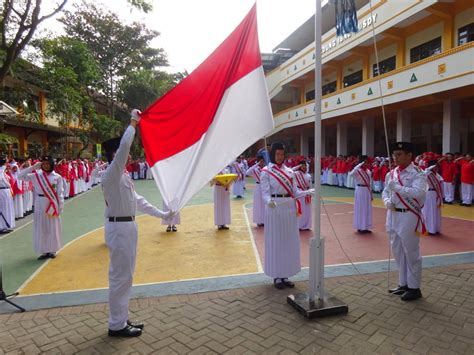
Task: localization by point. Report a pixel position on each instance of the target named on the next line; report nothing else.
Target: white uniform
(18, 198)
(434, 200)
(258, 206)
(282, 240)
(47, 229)
(7, 209)
(303, 181)
(402, 225)
(221, 206)
(121, 237)
(149, 175)
(362, 198)
(238, 186)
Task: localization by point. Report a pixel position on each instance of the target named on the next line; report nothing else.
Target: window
(329, 88)
(385, 66)
(310, 95)
(466, 34)
(353, 78)
(425, 50)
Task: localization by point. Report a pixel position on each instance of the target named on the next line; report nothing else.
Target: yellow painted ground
(452, 211)
(162, 256)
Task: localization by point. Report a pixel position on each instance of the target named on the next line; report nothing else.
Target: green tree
(19, 21)
(141, 88)
(119, 48)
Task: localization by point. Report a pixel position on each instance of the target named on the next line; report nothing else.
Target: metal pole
(316, 249)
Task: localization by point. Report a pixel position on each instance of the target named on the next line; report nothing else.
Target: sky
(190, 30)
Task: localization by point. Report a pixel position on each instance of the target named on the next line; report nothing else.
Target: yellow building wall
(423, 36)
(462, 19)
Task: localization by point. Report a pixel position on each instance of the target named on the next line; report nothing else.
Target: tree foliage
(119, 48)
(18, 23)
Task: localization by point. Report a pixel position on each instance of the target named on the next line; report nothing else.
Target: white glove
(310, 192)
(390, 205)
(135, 115)
(272, 204)
(393, 186)
(37, 165)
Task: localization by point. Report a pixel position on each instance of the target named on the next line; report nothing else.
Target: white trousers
(7, 210)
(121, 239)
(221, 206)
(258, 206)
(405, 247)
(466, 191)
(448, 190)
(238, 188)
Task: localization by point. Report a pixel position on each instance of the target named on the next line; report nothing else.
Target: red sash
(50, 193)
(437, 186)
(302, 185)
(239, 171)
(366, 179)
(413, 205)
(286, 182)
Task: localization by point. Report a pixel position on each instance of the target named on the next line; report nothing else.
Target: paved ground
(258, 320)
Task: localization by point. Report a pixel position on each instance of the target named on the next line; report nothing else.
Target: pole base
(329, 306)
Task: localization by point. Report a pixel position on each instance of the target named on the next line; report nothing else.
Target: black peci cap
(111, 146)
(405, 146)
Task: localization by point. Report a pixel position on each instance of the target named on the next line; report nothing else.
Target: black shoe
(279, 284)
(288, 283)
(44, 256)
(127, 332)
(51, 255)
(168, 229)
(412, 294)
(400, 290)
(366, 231)
(224, 227)
(259, 224)
(136, 325)
(174, 229)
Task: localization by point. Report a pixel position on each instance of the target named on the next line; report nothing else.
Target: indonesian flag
(200, 126)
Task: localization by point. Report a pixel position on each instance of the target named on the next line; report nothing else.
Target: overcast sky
(191, 29)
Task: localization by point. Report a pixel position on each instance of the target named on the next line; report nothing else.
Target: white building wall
(423, 37)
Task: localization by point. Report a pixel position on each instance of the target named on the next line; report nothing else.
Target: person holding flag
(282, 241)
(362, 196)
(222, 215)
(404, 195)
(303, 182)
(258, 208)
(434, 199)
(122, 203)
(49, 203)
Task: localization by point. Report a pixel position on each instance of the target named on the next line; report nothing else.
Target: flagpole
(317, 303)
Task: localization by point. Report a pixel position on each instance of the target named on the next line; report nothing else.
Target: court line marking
(252, 238)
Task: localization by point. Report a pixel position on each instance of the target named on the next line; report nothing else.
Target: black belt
(361, 185)
(40, 195)
(257, 182)
(431, 189)
(122, 219)
(3, 188)
(403, 210)
(281, 196)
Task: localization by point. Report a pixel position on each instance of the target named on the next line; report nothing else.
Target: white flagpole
(316, 266)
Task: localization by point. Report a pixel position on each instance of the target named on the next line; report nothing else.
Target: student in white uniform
(404, 195)
(362, 176)
(222, 216)
(238, 168)
(122, 203)
(18, 189)
(49, 203)
(434, 199)
(303, 182)
(7, 209)
(258, 206)
(282, 238)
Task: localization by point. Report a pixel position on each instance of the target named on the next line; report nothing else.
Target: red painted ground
(457, 237)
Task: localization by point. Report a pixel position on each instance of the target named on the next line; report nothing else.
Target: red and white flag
(210, 117)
